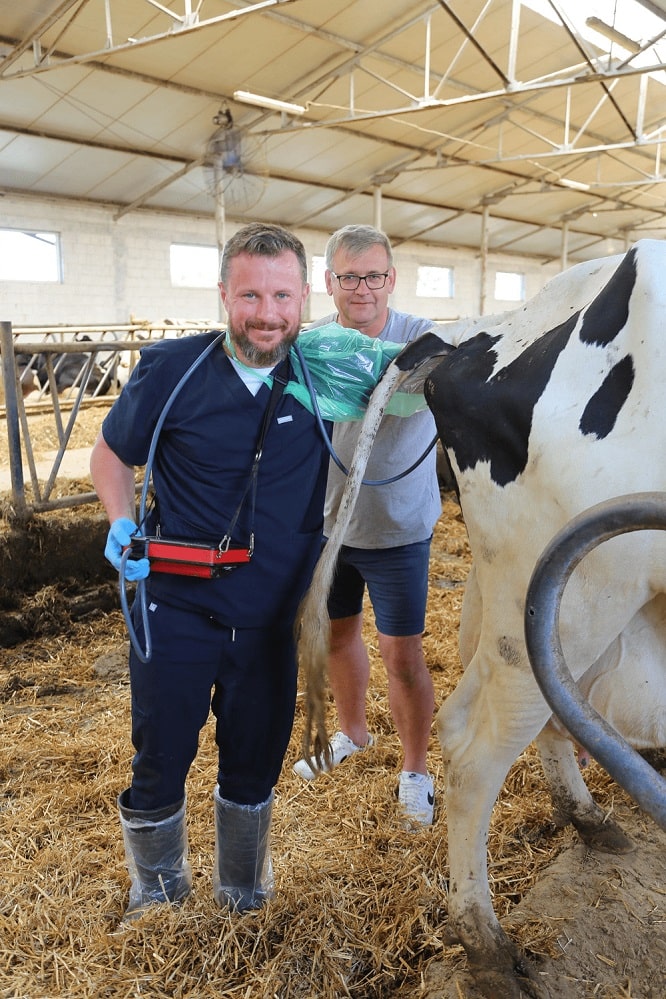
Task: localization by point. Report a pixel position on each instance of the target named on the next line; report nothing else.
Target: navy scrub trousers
(252, 674)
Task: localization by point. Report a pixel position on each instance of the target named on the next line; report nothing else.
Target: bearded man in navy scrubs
(223, 644)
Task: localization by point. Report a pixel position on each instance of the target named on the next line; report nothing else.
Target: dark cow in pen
(544, 412)
(70, 370)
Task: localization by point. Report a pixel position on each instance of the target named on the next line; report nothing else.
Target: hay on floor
(360, 903)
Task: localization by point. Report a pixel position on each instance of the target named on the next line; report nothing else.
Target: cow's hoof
(522, 983)
(607, 837)
(507, 973)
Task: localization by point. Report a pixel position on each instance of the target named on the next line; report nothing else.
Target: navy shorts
(397, 581)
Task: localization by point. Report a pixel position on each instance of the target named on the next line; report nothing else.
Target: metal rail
(104, 348)
(635, 512)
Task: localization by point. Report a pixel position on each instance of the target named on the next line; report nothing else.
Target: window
(509, 287)
(318, 284)
(29, 256)
(434, 282)
(194, 266)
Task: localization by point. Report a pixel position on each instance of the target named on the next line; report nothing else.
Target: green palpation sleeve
(344, 367)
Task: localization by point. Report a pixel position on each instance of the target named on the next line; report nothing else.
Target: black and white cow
(544, 412)
(69, 370)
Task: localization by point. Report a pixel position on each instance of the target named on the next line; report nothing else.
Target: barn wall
(115, 271)
(112, 270)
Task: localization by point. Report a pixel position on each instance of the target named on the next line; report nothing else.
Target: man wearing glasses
(387, 546)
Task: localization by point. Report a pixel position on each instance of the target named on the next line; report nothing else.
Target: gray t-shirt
(405, 511)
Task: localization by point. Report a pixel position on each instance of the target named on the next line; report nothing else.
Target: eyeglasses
(350, 282)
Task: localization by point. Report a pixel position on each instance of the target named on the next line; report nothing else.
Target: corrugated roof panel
(508, 146)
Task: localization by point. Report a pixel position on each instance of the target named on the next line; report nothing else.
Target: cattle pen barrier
(110, 351)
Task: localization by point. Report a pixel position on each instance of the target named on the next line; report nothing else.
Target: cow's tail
(312, 625)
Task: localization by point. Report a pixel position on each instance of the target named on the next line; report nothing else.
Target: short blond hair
(261, 239)
(356, 239)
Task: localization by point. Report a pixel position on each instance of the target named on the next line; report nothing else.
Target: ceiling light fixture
(257, 100)
(613, 35)
(575, 185)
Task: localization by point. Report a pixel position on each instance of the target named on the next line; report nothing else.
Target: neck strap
(281, 376)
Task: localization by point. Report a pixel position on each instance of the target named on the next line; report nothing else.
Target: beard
(255, 355)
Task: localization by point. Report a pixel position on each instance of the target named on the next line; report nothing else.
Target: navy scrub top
(201, 468)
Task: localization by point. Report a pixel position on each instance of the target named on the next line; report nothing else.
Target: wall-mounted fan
(236, 166)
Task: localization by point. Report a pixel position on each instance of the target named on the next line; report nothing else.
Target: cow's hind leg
(572, 801)
(627, 686)
(483, 727)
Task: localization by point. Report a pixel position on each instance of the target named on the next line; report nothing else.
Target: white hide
(612, 626)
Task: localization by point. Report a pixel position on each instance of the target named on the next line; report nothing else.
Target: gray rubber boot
(156, 852)
(243, 875)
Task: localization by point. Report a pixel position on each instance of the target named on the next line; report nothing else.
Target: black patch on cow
(424, 349)
(602, 410)
(607, 315)
(485, 417)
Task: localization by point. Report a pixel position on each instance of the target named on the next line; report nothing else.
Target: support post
(483, 277)
(564, 253)
(220, 222)
(13, 424)
(377, 207)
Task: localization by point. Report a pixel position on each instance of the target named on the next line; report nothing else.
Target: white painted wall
(117, 271)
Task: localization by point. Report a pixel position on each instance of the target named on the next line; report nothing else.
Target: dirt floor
(360, 903)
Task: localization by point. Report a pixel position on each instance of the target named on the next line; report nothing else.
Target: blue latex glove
(119, 537)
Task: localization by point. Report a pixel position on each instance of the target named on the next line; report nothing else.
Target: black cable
(145, 655)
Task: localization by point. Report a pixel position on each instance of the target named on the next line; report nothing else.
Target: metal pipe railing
(51, 344)
(635, 512)
(13, 420)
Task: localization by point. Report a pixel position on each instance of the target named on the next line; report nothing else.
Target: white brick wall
(116, 270)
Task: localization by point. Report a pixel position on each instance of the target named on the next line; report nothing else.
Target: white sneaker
(341, 748)
(416, 795)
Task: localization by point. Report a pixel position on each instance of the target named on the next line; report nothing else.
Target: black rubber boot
(243, 876)
(156, 852)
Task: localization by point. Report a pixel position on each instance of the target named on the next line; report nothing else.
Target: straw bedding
(360, 903)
